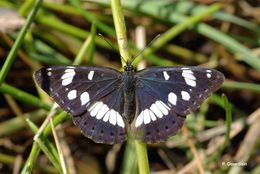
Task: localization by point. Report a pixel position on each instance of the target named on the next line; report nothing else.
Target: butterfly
(108, 106)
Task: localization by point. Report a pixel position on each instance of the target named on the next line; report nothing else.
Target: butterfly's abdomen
(129, 95)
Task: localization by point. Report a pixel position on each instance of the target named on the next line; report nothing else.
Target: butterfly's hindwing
(165, 95)
(103, 121)
(91, 95)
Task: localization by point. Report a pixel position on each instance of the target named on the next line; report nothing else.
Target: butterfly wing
(91, 95)
(165, 95)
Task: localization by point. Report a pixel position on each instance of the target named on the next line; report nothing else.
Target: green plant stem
(241, 86)
(142, 157)
(23, 96)
(218, 152)
(35, 151)
(30, 163)
(59, 149)
(7, 159)
(129, 164)
(47, 147)
(17, 124)
(61, 117)
(120, 27)
(91, 18)
(87, 48)
(13, 52)
(125, 56)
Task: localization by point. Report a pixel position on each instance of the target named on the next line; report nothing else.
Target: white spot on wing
(156, 111)
(166, 106)
(162, 108)
(166, 75)
(139, 120)
(190, 82)
(106, 117)
(67, 77)
(189, 78)
(92, 106)
(159, 109)
(67, 81)
(69, 70)
(153, 117)
(188, 74)
(112, 117)
(96, 109)
(49, 73)
(119, 120)
(147, 118)
(172, 98)
(185, 95)
(208, 73)
(72, 94)
(84, 98)
(103, 110)
(90, 75)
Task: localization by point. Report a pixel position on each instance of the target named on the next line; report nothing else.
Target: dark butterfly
(107, 105)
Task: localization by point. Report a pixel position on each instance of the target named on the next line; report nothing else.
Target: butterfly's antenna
(146, 47)
(111, 46)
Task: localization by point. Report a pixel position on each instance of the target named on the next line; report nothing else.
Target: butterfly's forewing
(165, 95)
(91, 95)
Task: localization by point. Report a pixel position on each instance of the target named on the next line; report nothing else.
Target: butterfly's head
(128, 66)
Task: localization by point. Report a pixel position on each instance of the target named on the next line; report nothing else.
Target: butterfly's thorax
(128, 77)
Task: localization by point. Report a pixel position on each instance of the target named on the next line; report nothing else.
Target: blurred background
(223, 36)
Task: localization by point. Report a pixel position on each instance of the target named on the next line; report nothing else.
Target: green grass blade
(23, 96)
(120, 28)
(87, 49)
(31, 160)
(89, 17)
(141, 151)
(125, 56)
(241, 86)
(216, 155)
(246, 55)
(17, 124)
(18, 42)
(129, 165)
(47, 147)
(176, 30)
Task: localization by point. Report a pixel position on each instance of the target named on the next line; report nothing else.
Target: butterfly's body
(107, 105)
(129, 82)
